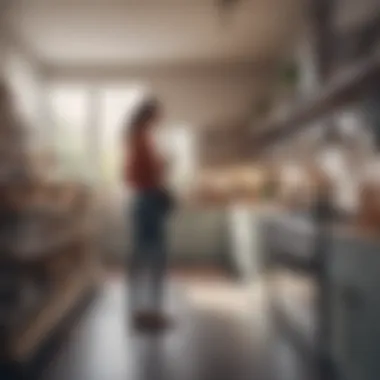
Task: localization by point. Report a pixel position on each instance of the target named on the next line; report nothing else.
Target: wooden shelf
(344, 88)
(24, 343)
(64, 283)
(38, 249)
(47, 258)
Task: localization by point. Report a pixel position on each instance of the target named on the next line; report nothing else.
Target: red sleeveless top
(143, 167)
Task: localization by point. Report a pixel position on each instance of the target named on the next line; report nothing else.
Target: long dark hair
(142, 116)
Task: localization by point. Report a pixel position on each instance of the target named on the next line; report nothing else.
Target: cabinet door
(198, 236)
(356, 308)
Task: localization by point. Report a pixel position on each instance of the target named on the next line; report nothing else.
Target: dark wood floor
(217, 336)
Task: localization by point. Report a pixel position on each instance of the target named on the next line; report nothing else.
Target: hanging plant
(289, 74)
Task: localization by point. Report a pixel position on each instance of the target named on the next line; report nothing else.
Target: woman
(145, 173)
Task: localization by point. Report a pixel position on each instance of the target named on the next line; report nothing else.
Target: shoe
(150, 321)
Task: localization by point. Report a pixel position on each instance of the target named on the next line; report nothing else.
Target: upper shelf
(344, 88)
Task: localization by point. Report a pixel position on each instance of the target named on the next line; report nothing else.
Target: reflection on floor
(219, 334)
(210, 339)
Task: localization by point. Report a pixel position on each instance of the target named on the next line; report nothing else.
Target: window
(116, 106)
(70, 115)
(73, 115)
(179, 144)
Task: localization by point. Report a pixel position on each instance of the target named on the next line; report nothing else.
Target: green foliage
(289, 74)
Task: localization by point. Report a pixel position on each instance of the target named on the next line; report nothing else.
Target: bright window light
(179, 144)
(69, 106)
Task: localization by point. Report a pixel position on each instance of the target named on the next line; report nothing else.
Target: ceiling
(128, 32)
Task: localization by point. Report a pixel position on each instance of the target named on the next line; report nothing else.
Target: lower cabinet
(355, 273)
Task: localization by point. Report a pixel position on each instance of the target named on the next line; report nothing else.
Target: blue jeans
(149, 249)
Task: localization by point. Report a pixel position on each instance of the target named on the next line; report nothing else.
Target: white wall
(25, 82)
(2, 42)
(22, 73)
(2, 52)
(206, 98)
(351, 13)
(197, 96)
